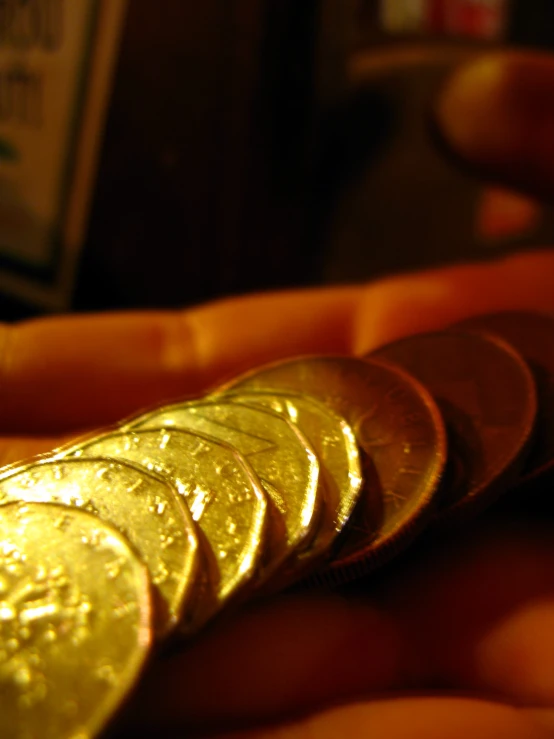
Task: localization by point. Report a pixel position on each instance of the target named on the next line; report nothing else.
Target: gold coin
(143, 507)
(400, 433)
(223, 494)
(74, 621)
(279, 454)
(334, 443)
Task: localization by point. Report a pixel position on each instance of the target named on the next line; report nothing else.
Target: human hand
(470, 618)
(458, 641)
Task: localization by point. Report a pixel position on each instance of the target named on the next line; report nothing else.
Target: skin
(457, 640)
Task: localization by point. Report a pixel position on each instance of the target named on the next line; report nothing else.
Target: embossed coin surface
(400, 432)
(143, 507)
(221, 491)
(532, 335)
(279, 454)
(334, 443)
(487, 397)
(74, 621)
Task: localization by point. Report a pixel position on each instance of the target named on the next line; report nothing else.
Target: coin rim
(307, 516)
(528, 476)
(162, 627)
(510, 464)
(357, 565)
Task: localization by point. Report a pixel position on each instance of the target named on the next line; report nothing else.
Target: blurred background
(162, 154)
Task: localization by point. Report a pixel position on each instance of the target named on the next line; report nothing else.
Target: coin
(487, 397)
(334, 443)
(279, 454)
(532, 335)
(401, 435)
(74, 621)
(142, 506)
(223, 494)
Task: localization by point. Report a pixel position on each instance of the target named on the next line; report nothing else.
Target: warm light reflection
(479, 19)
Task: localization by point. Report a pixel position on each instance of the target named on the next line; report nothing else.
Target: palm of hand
(455, 638)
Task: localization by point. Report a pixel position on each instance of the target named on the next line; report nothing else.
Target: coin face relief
(74, 621)
(487, 396)
(334, 443)
(280, 456)
(332, 439)
(142, 506)
(222, 493)
(400, 434)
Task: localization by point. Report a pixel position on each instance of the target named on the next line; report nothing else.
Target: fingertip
(516, 658)
(494, 592)
(463, 108)
(497, 113)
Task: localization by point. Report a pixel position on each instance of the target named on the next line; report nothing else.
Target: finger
(472, 614)
(482, 607)
(497, 113)
(404, 305)
(272, 661)
(58, 374)
(412, 718)
(73, 371)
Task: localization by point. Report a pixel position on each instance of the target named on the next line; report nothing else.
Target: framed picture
(56, 60)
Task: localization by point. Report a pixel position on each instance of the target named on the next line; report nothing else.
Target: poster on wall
(56, 61)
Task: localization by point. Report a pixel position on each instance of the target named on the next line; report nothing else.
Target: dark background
(257, 144)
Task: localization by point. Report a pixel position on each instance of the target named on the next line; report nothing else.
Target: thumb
(497, 114)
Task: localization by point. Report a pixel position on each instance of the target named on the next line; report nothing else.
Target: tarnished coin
(279, 454)
(221, 491)
(487, 397)
(74, 621)
(400, 433)
(142, 506)
(532, 335)
(334, 443)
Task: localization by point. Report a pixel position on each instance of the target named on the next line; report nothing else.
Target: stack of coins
(313, 470)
